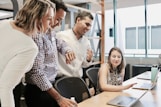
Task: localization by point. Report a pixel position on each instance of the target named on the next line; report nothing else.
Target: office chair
(92, 74)
(73, 87)
(10, 14)
(15, 7)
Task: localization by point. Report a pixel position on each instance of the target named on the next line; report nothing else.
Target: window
(156, 37)
(130, 38)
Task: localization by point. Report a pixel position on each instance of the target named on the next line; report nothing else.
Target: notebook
(125, 101)
(147, 85)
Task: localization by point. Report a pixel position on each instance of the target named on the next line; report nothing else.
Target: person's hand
(89, 55)
(130, 85)
(64, 102)
(70, 56)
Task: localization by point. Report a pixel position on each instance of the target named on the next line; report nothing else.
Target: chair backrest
(15, 7)
(92, 74)
(73, 87)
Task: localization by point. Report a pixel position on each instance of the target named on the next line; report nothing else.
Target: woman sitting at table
(111, 74)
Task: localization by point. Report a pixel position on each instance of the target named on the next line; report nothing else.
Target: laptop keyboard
(147, 85)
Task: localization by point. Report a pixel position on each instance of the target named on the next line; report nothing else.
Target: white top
(17, 53)
(80, 49)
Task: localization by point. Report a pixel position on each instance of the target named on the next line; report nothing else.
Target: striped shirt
(45, 67)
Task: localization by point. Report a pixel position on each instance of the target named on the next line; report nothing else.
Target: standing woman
(111, 74)
(17, 49)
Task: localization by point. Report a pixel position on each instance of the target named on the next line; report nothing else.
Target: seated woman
(111, 74)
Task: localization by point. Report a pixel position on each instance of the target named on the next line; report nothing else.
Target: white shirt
(17, 54)
(80, 49)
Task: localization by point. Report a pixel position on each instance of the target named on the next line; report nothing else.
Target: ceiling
(109, 3)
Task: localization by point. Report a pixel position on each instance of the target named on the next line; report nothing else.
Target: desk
(151, 99)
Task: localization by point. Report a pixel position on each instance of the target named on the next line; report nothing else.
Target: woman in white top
(17, 49)
(111, 74)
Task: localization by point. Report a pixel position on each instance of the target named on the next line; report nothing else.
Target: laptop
(125, 101)
(147, 85)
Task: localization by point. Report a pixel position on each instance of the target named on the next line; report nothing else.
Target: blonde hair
(29, 17)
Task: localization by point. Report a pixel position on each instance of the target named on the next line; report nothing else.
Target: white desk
(151, 99)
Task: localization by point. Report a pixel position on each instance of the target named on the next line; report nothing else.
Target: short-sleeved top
(114, 78)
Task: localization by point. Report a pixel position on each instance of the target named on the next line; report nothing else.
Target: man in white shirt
(80, 45)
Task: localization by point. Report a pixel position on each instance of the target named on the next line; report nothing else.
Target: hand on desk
(129, 86)
(65, 102)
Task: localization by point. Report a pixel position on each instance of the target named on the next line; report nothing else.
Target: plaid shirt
(45, 67)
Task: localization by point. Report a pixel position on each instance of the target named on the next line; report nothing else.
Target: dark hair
(122, 64)
(60, 5)
(83, 14)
